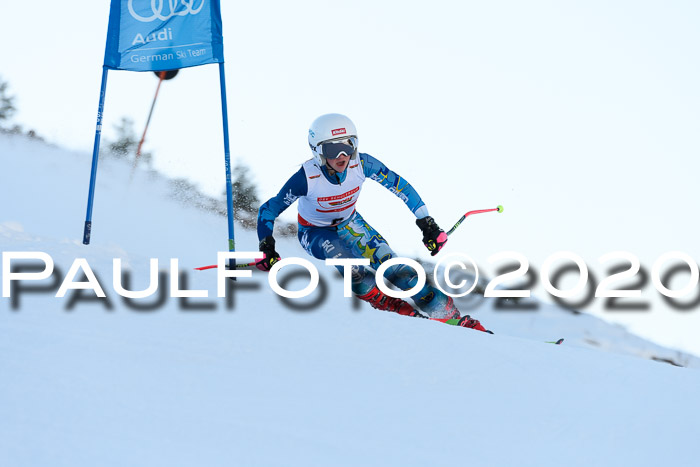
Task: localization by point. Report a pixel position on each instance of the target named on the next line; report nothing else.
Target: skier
(327, 187)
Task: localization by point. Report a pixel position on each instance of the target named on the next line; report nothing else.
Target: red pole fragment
(161, 77)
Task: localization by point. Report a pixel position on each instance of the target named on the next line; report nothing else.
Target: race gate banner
(159, 35)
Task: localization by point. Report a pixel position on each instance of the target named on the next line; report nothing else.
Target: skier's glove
(434, 238)
(270, 256)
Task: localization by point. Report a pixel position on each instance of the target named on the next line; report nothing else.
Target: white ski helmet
(332, 128)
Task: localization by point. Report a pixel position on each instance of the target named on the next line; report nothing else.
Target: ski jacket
(326, 200)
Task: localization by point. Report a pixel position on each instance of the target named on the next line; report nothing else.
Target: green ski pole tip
(499, 207)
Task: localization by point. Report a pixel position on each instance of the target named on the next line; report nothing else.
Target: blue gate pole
(227, 157)
(95, 155)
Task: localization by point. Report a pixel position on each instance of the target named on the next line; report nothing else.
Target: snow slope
(200, 382)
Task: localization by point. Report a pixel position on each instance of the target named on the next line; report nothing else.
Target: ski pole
(214, 266)
(499, 208)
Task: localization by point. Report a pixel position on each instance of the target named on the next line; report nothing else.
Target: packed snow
(253, 381)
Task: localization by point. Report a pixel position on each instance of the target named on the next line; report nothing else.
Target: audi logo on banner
(165, 9)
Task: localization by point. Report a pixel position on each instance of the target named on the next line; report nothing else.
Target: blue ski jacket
(297, 187)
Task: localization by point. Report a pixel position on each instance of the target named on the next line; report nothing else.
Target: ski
(214, 266)
(455, 322)
(556, 342)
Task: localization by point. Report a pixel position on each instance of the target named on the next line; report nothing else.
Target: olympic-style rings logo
(162, 12)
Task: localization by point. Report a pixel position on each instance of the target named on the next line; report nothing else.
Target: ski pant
(355, 238)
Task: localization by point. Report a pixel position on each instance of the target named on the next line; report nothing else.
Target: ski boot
(381, 301)
(471, 323)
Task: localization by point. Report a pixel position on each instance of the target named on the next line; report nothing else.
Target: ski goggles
(334, 149)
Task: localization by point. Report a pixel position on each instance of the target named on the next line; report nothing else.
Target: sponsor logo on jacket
(332, 203)
(289, 198)
(340, 203)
